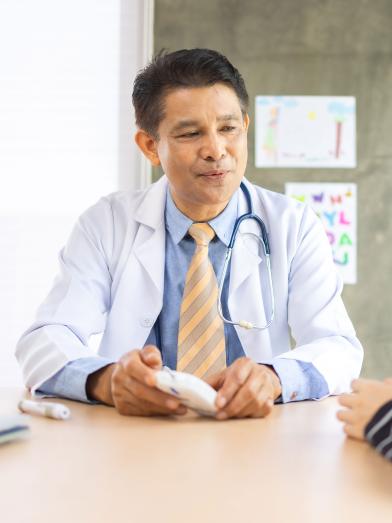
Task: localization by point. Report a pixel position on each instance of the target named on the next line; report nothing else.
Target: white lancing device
(46, 409)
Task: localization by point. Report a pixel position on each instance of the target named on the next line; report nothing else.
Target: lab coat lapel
(150, 251)
(146, 268)
(139, 297)
(149, 246)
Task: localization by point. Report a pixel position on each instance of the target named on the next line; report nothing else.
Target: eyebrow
(183, 124)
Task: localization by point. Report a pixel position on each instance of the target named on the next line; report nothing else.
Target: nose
(213, 147)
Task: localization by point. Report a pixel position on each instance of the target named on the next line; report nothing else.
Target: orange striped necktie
(201, 339)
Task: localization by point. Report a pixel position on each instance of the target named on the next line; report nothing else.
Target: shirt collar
(177, 224)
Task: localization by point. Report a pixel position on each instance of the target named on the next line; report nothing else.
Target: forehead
(197, 103)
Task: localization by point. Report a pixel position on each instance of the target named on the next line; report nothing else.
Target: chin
(221, 192)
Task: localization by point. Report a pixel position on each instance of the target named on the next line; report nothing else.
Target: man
(142, 268)
(368, 413)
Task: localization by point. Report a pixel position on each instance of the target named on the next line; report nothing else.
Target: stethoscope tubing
(267, 251)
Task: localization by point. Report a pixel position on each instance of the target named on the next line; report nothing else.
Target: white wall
(66, 135)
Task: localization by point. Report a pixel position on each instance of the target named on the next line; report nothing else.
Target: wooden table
(294, 466)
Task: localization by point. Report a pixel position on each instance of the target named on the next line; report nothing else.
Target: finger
(388, 381)
(246, 398)
(355, 384)
(353, 431)
(140, 407)
(151, 356)
(125, 385)
(258, 409)
(266, 409)
(348, 400)
(347, 416)
(358, 384)
(153, 409)
(235, 376)
(215, 380)
(152, 395)
(261, 397)
(154, 400)
(134, 366)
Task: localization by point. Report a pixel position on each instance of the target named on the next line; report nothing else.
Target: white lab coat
(112, 279)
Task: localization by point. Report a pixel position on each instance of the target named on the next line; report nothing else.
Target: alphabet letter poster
(336, 206)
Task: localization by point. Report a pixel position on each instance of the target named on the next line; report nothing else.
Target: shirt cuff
(300, 380)
(70, 381)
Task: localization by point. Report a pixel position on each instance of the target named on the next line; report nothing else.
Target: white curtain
(66, 125)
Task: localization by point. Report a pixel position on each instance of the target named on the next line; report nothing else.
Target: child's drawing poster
(305, 131)
(336, 206)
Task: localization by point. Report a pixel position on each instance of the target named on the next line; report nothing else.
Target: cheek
(241, 156)
(163, 153)
(172, 158)
(239, 147)
(244, 159)
(244, 145)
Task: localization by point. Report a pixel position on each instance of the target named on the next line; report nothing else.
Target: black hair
(184, 68)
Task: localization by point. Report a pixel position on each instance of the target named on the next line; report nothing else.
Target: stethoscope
(267, 251)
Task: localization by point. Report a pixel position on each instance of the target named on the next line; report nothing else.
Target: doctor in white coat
(118, 266)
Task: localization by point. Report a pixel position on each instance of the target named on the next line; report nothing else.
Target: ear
(148, 145)
(246, 121)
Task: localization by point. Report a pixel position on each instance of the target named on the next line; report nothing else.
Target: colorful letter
(342, 219)
(344, 261)
(300, 198)
(330, 217)
(345, 240)
(318, 197)
(336, 199)
(331, 237)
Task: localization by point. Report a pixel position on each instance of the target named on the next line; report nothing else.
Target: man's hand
(129, 385)
(245, 389)
(367, 397)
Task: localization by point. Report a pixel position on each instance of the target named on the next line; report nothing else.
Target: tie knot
(202, 233)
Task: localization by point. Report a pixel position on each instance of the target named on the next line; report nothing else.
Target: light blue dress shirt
(300, 380)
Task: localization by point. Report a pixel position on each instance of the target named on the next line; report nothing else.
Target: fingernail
(221, 415)
(221, 401)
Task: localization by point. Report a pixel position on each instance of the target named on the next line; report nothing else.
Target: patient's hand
(367, 397)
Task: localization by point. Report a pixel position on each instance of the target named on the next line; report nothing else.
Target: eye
(228, 128)
(190, 134)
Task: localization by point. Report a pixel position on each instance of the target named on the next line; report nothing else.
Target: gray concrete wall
(317, 47)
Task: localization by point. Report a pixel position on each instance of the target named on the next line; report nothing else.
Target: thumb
(215, 380)
(151, 356)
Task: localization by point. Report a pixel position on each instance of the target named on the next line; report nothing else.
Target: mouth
(216, 173)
